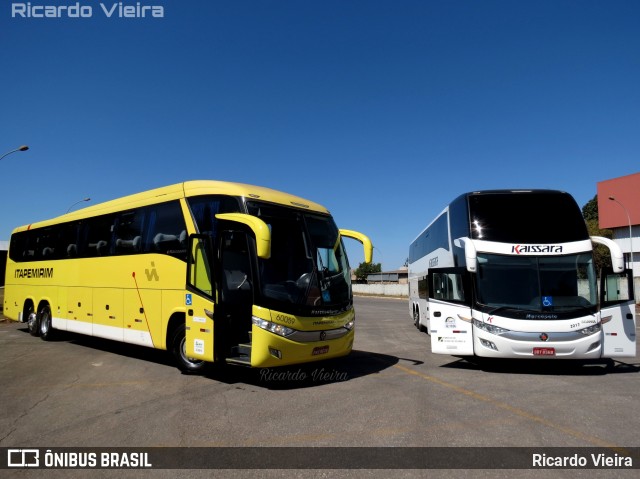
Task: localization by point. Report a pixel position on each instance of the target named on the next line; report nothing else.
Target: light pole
(613, 198)
(381, 260)
(21, 148)
(78, 202)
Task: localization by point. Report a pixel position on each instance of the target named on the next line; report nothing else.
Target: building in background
(399, 276)
(619, 211)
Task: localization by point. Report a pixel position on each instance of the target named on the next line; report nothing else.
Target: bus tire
(178, 349)
(44, 322)
(33, 324)
(416, 320)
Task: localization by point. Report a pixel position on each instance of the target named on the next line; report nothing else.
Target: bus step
(241, 350)
(240, 354)
(243, 361)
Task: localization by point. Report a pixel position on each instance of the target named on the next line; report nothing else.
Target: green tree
(590, 210)
(601, 255)
(365, 269)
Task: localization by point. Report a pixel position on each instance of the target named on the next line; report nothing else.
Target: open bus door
(199, 299)
(617, 313)
(450, 312)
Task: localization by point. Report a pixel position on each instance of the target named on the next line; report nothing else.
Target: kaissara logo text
(536, 248)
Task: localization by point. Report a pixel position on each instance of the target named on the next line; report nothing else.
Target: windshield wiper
(503, 308)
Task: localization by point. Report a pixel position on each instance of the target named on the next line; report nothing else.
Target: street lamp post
(613, 198)
(21, 148)
(381, 261)
(78, 202)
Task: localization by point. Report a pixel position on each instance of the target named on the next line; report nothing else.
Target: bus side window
(167, 232)
(68, 241)
(616, 288)
(128, 232)
(199, 272)
(449, 286)
(442, 286)
(98, 236)
(46, 244)
(423, 288)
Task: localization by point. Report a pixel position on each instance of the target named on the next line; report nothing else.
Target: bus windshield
(307, 272)
(560, 285)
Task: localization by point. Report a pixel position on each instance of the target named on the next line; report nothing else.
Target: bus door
(450, 311)
(199, 299)
(617, 313)
(235, 293)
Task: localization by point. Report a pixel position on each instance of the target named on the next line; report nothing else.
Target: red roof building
(619, 210)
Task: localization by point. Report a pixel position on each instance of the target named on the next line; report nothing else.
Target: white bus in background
(510, 274)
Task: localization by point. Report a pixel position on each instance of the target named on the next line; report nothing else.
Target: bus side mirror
(260, 230)
(471, 256)
(470, 253)
(366, 243)
(617, 258)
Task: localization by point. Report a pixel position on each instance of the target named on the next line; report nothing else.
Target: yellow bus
(211, 271)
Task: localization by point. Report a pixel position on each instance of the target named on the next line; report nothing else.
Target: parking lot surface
(391, 391)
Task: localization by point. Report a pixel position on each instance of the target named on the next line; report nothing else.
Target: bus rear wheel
(179, 350)
(44, 322)
(416, 320)
(32, 320)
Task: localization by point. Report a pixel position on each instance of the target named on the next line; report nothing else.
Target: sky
(382, 111)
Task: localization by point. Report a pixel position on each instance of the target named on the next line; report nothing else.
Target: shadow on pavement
(547, 367)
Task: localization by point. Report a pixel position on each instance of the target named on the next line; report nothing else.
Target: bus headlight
(596, 328)
(350, 324)
(489, 328)
(274, 328)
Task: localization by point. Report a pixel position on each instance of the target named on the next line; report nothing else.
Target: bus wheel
(421, 327)
(32, 321)
(44, 322)
(179, 350)
(416, 319)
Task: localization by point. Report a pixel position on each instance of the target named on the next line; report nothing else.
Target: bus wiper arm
(502, 308)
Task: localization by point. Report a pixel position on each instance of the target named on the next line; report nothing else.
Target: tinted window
(527, 217)
(449, 286)
(423, 288)
(129, 229)
(153, 229)
(97, 236)
(69, 238)
(205, 208)
(167, 230)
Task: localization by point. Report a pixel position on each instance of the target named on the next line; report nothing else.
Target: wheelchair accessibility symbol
(547, 301)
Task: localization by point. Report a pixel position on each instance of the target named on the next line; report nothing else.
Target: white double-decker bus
(510, 274)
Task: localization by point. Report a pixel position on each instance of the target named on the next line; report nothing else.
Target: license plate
(544, 351)
(320, 350)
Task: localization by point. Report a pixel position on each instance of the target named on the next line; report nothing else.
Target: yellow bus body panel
(265, 342)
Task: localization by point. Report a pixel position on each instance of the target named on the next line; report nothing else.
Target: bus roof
(181, 190)
(523, 191)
